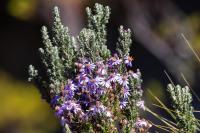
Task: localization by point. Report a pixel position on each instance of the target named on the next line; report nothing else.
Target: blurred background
(157, 46)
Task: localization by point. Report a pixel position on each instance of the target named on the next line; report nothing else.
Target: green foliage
(93, 38)
(181, 101)
(52, 61)
(57, 56)
(64, 42)
(124, 42)
(132, 112)
(97, 22)
(136, 96)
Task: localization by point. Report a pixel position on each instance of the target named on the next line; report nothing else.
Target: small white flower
(108, 114)
(140, 104)
(141, 123)
(103, 72)
(106, 83)
(99, 80)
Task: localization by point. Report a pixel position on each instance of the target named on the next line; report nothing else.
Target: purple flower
(128, 61)
(70, 86)
(92, 85)
(80, 96)
(71, 106)
(111, 79)
(59, 111)
(67, 110)
(134, 75)
(101, 68)
(142, 124)
(82, 80)
(123, 81)
(103, 82)
(114, 61)
(123, 104)
(89, 67)
(84, 99)
(97, 109)
(69, 94)
(54, 101)
(100, 91)
(77, 108)
(114, 77)
(117, 77)
(126, 92)
(101, 71)
(99, 80)
(69, 90)
(67, 106)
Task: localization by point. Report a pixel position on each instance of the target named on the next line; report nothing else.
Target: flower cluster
(97, 90)
(90, 90)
